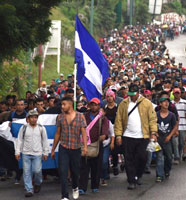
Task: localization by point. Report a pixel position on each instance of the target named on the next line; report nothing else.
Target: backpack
(40, 129)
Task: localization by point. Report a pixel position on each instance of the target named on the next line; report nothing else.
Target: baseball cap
(32, 113)
(113, 87)
(164, 99)
(147, 92)
(133, 90)
(95, 100)
(176, 90)
(61, 74)
(176, 84)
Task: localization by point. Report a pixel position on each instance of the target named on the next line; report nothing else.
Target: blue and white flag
(92, 69)
(48, 121)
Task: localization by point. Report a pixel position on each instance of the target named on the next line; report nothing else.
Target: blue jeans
(181, 142)
(32, 165)
(175, 148)
(149, 160)
(164, 160)
(105, 163)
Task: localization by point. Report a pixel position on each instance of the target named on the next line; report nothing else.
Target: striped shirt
(181, 108)
(70, 133)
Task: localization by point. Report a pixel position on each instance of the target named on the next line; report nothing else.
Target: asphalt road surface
(177, 49)
(174, 188)
(171, 189)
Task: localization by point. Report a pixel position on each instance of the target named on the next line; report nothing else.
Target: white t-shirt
(134, 128)
(181, 108)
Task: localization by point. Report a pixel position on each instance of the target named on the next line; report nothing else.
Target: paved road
(174, 188)
(176, 49)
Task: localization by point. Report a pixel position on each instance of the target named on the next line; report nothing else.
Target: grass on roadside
(50, 70)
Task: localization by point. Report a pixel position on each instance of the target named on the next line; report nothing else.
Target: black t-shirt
(53, 110)
(171, 108)
(14, 116)
(111, 113)
(165, 125)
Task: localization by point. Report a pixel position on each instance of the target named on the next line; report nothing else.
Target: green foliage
(183, 2)
(142, 15)
(50, 70)
(175, 6)
(105, 17)
(13, 79)
(24, 25)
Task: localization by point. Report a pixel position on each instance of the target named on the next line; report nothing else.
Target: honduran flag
(92, 67)
(48, 121)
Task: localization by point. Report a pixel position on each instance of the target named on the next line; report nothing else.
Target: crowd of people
(144, 100)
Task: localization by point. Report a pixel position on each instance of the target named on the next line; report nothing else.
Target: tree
(183, 2)
(105, 16)
(24, 24)
(142, 15)
(13, 79)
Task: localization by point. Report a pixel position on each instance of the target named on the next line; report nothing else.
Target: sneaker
(95, 190)
(81, 192)
(115, 171)
(103, 182)
(159, 179)
(29, 194)
(131, 186)
(37, 188)
(75, 193)
(65, 198)
(17, 182)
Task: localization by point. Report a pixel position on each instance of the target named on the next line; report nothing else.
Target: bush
(13, 79)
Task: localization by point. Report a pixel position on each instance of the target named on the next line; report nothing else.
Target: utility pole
(131, 12)
(39, 67)
(154, 11)
(29, 69)
(91, 17)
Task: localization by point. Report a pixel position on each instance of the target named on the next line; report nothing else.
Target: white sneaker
(65, 198)
(75, 193)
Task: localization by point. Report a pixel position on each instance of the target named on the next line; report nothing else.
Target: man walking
(135, 123)
(181, 108)
(166, 129)
(70, 125)
(32, 142)
(98, 132)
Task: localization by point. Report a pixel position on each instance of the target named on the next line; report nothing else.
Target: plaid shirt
(70, 133)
